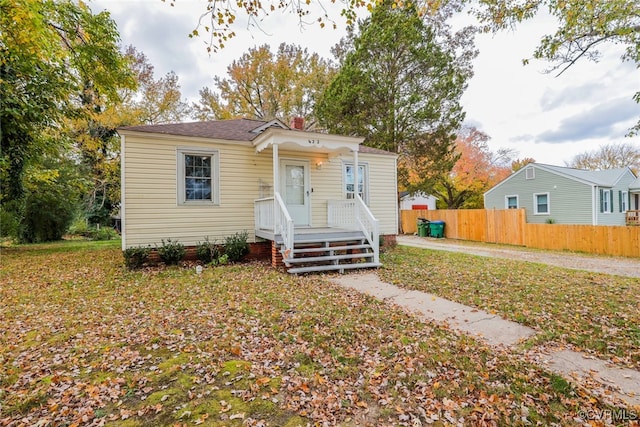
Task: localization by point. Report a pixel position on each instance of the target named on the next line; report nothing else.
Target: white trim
(506, 201)
(606, 196)
(535, 204)
(180, 176)
(307, 187)
(594, 204)
(272, 123)
(297, 140)
(123, 234)
(625, 201)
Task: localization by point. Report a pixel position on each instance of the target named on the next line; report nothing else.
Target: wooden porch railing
(355, 213)
(633, 218)
(283, 226)
(263, 213)
(341, 213)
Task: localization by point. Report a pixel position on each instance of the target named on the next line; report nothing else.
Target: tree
(609, 156)
(49, 52)
(476, 171)
(399, 86)
(583, 25)
(265, 86)
(52, 55)
(94, 137)
(518, 164)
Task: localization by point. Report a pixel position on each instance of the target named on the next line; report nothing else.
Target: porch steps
(338, 251)
(342, 267)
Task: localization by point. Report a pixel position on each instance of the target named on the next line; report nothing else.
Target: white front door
(294, 185)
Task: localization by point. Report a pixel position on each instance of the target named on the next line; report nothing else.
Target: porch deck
(311, 234)
(633, 217)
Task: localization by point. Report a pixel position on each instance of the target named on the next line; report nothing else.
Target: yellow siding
(383, 194)
(151, 211)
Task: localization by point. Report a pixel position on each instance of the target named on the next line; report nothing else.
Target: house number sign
(314, 142)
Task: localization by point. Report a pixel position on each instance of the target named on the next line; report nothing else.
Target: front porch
(350, 241)
(633, 217)
(314, 216)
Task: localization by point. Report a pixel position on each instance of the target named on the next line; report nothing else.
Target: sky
(537, 114)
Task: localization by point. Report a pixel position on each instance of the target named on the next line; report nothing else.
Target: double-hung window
(198, 181)
(624, 198)
(511, 202)
(349, 181)
(606, 201)
(541, 204)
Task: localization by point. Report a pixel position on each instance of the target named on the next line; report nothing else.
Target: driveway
(629, 267)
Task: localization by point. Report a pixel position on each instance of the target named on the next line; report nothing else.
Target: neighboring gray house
(569, 196)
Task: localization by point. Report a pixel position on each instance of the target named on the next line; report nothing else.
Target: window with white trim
(541, 204)
(511, 202)
(363, 181)
(606, 201)
(198, 176)
(624, 201)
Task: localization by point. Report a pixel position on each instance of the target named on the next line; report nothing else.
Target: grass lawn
(85, 342)
(597, 313)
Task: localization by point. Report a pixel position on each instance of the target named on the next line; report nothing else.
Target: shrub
(207, 251)
(171, 251)
(136, 257)
(236, 246)
(51, 201)
(103, 233)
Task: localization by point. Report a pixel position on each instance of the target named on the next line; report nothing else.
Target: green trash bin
(436, 228)
(423, 227)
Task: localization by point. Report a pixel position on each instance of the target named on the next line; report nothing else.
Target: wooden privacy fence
(509, 226)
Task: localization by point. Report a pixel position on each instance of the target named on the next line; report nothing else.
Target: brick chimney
(297, 123)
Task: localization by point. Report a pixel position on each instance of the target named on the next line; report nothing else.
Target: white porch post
(276, 185)
(355, 173)
(276, 166)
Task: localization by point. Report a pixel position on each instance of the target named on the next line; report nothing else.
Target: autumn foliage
(83, 341)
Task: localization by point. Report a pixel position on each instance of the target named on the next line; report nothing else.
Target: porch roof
(299, 140)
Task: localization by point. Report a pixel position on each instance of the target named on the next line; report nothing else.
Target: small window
(363, 179)
(530, 173)
(606, 201)
(541, 204)
(197, 177)
(624, 198)
(511, 202)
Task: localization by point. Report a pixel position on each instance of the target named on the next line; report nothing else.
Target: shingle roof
(605, 178)
(234, 130)
(371, 150)
(635, 185)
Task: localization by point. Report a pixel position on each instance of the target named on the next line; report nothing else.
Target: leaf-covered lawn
(85, 342)
(598, 313)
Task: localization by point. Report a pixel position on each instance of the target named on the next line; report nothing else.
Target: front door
(294, 184)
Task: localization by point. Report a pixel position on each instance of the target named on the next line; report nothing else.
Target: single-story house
(569, 196)
(417, 201)
(293, 191)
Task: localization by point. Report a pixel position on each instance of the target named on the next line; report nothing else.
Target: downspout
(122, 195)
(594, 204)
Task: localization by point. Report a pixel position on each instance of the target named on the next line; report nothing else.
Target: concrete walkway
(629, 267)
(621, 383)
